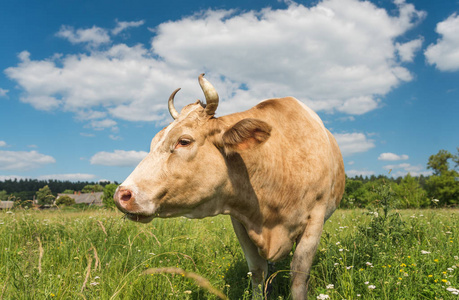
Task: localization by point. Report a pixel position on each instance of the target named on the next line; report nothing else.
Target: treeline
(439, 189)
(27, 188)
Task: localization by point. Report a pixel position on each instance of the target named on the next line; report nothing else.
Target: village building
(6, 205)
(94, 198)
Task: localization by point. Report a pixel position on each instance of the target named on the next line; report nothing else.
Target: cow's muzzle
(125, 200)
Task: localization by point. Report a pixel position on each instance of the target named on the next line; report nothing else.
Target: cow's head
(186, 171)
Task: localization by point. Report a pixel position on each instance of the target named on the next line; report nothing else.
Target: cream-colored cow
(275, 169)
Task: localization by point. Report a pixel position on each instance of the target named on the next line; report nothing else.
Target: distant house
(86, 198)
(6, 204)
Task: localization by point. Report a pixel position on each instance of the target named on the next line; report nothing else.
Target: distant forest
(27, 188)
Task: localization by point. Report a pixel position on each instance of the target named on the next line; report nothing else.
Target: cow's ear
(246, 134)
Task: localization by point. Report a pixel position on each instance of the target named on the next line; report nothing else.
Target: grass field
(95, 254)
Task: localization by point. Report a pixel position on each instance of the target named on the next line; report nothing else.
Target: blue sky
(84, 84)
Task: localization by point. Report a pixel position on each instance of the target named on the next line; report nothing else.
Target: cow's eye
(183, 142)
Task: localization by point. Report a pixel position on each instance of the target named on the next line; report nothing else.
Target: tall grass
(99, 255)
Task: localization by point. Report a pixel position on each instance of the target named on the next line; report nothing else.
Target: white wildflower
(323, 297)
(330, 286)
(453, 290)
(94, 283)
(456, 257)
(366, 282)
(425, 252)
(338, 243)
(249, 274)
(371, 287)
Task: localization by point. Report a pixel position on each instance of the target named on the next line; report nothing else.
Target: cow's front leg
(303, 257)
(258, 266)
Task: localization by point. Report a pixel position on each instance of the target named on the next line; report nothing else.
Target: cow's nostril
(126, 195)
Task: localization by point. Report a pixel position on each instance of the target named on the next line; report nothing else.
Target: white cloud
(121, 26)
(407, 168)
(358, 105)
(118, 158)
(339, 55)
(87, 134)
(63, 177)
(353, 173)
(123, 82)
(351, 143)
(400, 166)
(445, 53)
(412, 173)
(23, 160)
(11, 177)
(408, 50)
(3, 92)
(115, 137)
(94, 36)
(102, 124)
(70, 177)
(3, 144)
(392, 157)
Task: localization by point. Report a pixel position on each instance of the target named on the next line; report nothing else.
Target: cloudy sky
(84, 84)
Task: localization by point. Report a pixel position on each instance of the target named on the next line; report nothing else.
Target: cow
(275, 169)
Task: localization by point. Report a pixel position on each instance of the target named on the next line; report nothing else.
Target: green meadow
(96, 254)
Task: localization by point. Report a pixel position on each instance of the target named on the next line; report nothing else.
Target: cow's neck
(243, 203)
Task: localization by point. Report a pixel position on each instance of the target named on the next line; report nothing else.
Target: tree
(456, 159)
(443, 185)
(90, 188)
(439, 162)
(350, 193)
(68, 192)
(109, 192)
(444, 188)
(3, 195)
(410, 193)
(19, 203)
(44, 196)
(65, 200)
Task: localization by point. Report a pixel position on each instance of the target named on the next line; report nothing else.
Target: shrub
(65, 200)
(109, 191)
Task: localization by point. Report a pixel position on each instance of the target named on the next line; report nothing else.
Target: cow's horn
(172, 110)
(210, 93)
